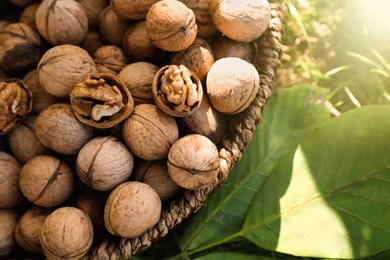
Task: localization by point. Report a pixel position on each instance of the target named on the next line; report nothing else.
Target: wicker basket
(230, 150)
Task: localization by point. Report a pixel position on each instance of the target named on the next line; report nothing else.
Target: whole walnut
(92, 9)
(132, 10)
(131, 209)
(61, 21)
(198, 58)
(20, 48)
(61, 67)
(46, 181)
(28, 229)
(28, 15)
(138, 78)
(241, 20)
(225, 47)
(10, 193)
(155, 174)
(232, 84)
(23, 141)
(149, 133)
(110, 59)
(58, 129)
(8, 220)
(193, 162)
(104, 162)
(171, 25)
(42, 99)
(111, 27)
(67, 233)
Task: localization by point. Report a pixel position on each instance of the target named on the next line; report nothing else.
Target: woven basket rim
(230, 149)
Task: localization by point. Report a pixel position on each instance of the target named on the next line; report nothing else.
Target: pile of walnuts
(110, 110)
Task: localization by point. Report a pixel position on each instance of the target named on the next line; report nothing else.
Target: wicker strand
(243, 125)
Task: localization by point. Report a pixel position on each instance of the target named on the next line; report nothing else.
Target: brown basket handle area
(231, 148)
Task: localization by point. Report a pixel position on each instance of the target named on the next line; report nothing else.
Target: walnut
(131, 209)
(46, 181)
(41, 99)
(138, 78)
(224, 47)
(206, 27)
(61, 21)
(110, 59)
(111, 27)
(92, 42)
(28, 229)
(15, 103)
(20, 47)
(241, 20)
(138, 47)
(67, 233)
(28, 15)
(204, 121)
(58, 129)
(104, 162)
(132, 10)
(149, 133)
(232, 84)
(193, 162)
(23, 142)
(10, 194)
(155, 174)
(101, 101)
(92, 9)
(8, 220)
(171, 25)
(62, 67)
(176, 90)
(198, 58)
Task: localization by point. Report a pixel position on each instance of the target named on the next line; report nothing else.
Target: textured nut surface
(232, 84)
(131, 209)
(61, 21)
(110, 59)
(101, 100)
(111, 27)
(171, 25)
(58, 129)
(92, 9)
(149, 133)
(132, 10)
(193, 162)
(67, 233)
(46, 181)
(104, 162)
(225, 47)
(8, 220)
(241, 20)
(15, 103)
(176, 90)
(10, 193)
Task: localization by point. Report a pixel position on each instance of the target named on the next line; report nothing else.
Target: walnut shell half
(101, 101)
(177, 90)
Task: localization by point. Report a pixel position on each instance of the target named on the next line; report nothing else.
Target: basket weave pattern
(233, 144)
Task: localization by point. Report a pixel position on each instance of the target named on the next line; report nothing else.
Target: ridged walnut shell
(101, 101)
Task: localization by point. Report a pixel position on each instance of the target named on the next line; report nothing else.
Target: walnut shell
(62, 67)
(8, 220)
(171, 25)
(104, 162)
(46, 181)
(10, 193)
(225, 47)
(149, 133)
(131, 209)
(138, 78)
(241, 20)
(61, 21)
(28, 229)
(92, 9)
(193, 162)
(58, 129)
(232, 84)
(198, 58)
(101, 101)
(92, 42)
(110, 59)
(177, 90)
(111, 27)
(28, 15)
(132, 10)
(67, 233)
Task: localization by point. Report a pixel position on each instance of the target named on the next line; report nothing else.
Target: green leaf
(288, 117)
(331, 199)
(233, 256)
